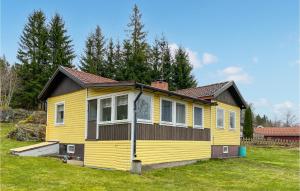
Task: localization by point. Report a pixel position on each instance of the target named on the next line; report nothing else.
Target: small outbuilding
(283, 133)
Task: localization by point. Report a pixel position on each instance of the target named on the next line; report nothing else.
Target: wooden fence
(269, 142)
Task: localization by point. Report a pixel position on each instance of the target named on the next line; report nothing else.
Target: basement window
(71, 149)
(60, 112)
(225, 149)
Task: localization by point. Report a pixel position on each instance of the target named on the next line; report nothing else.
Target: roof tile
(202, 91)
(278, 131)
(87, 78)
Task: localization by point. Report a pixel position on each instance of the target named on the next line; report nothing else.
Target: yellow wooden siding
(226, 136)
(73, 129)
(156, 109)
(93, 92)
(108, 154)
(152, 152)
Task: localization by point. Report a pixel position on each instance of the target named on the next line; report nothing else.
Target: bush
(28, 132)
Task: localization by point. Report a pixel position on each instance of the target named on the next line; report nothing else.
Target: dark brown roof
(87, 78)
(203, 91)
(278, 131)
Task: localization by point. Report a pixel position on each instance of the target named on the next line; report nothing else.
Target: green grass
(263, 169)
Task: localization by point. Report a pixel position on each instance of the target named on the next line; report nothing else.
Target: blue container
(242, 151)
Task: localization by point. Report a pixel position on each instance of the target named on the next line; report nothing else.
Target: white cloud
(208, 58)
(196, 61)
(236, 74)
(277, 110)
(262, 102)
(280, 108)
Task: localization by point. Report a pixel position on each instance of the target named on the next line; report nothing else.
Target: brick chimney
(160, 84)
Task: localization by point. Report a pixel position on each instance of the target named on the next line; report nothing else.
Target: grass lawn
(263, 169)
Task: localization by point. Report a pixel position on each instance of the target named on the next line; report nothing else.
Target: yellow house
(108, 124)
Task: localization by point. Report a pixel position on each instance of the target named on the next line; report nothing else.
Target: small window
(232, 120)
(92, 110)
(105, 109)
(166, 111)
(180, 113)
(71, 149)
(60, 108)
(122, 107)
(220, 118)
(225, 149)
(198, 117)
(144, 108)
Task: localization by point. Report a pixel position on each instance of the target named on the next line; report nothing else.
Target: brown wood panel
(152, 132)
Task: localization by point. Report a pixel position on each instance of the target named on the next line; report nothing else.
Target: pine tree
(33, 55)
(136, 50)
(87, 61)
(110, 69)
(93, 60)
(182, 77)
(248, 126)
(167, 70)
(156, 61)
(119, 62)
(60, 44)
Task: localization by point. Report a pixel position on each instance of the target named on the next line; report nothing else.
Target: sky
(253, 42)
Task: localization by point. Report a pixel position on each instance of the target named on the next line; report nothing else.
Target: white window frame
(115, 109)
(151, 110)
(173, 122)
(194, 125)
(55, 116)
(113, 113)
(68, 150)
(220, 127)
(173, 115)
(185, 112)
(225, 149)
(98, 110)
(230, 112)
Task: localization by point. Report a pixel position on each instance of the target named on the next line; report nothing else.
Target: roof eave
(59, 69)
(225, 87)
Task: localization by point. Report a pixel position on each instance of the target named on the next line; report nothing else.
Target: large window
(105, 110)
(144, 108)
(220, 118)
(232, 120)
(173, 112)
(122, 107)
(166, 111)
(198, 117)
(60, 112)
(180, 113)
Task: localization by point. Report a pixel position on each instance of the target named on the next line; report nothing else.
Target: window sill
(198, 127)
(144, 122)
(166, 123)
(114, 122)
(221, 128)
(181, 125)
(232, 129)
(59, 124)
